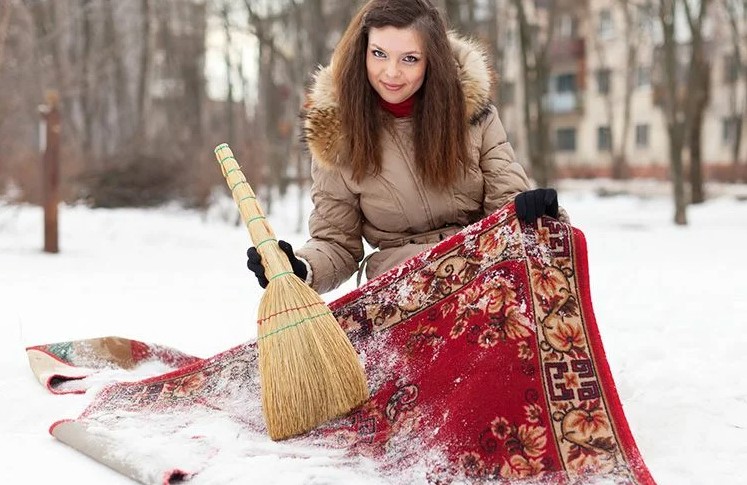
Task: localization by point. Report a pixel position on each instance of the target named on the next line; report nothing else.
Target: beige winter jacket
(394, 211)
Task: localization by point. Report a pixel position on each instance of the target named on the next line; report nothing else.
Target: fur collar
(321, 123)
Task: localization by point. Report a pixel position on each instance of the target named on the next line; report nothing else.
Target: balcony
(562, 103)
(564, 50)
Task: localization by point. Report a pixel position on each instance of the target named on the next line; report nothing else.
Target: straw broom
(309, 371)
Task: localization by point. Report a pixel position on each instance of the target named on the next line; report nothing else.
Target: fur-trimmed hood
(322, 129)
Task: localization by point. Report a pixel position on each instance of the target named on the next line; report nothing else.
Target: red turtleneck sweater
(399, 110)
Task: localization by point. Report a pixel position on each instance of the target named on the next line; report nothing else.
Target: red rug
(483, 357)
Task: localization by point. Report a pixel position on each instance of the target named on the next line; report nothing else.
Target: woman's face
(395, 62)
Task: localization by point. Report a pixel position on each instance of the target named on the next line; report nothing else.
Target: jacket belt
(430, 237)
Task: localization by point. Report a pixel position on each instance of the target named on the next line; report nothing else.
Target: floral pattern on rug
(483, 360)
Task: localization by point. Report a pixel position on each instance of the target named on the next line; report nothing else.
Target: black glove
(533, 204)
(254, 263)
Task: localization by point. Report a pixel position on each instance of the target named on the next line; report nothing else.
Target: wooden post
(51, 170)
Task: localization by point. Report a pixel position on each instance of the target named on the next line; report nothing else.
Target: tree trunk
(534, 71)
(454, 14)
(318, 31)
(620, 168)
(696, 166)
(141, 136)
(736, 176)
(229, 73)
(121, 120)
(87, 91)
(495, 47)
(697, 194)
(5, 15)
(544, 163)
(674, 112)
(698, 86)
(51, 172)
(678, 183)
(734, 16)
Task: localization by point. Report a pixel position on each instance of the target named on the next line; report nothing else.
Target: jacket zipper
(413, 174)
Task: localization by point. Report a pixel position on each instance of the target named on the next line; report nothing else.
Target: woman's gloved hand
(533, 204)
(254, 263)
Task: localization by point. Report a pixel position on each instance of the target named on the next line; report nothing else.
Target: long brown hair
(439, 117)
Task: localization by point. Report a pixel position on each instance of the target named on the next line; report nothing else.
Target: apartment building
(590, 63)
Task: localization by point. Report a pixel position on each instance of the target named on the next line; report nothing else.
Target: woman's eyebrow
(375, 46)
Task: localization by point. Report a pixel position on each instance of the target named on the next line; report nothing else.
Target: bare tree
(262, 25)
(484, 21)
(634, 15)
(680, 109)
(294, 37)
(6, 14)
(143, 78)
(698, 87)
(606, 86)
(226, 16)
(634, 31)
(535, 70)
(734, 10)
(673, 110)
(620, 168)
(461, 14)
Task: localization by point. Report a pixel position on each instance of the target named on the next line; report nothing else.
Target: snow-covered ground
(671, 304)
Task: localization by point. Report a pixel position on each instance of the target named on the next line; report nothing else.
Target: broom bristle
(309, 370)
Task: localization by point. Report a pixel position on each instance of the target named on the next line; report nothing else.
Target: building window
(644, 19)
(567, 26)
(731, 69)
(642, 76)
(604, 139)
(507, 93)
(565, 83)
(606, 28)
(603, 81)
(730, 129)
(641, 136)
(565, 139)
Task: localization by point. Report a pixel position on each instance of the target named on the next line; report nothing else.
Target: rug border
(622, 428)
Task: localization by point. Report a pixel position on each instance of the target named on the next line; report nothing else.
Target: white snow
(671, 304)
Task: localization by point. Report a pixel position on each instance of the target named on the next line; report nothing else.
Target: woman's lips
(392, 87)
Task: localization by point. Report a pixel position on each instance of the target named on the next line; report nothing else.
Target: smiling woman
(407, 147)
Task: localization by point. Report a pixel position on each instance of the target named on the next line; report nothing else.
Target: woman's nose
(392, 70)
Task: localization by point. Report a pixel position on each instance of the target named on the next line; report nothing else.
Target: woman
(406, 147)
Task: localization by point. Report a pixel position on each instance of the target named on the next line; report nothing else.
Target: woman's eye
(410, 59)
(378, 53)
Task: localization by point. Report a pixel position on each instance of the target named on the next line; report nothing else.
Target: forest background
(147, 88)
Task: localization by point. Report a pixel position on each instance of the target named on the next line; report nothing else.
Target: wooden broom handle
(274, 259)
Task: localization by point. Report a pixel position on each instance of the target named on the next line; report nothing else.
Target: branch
(701, 15)
(732, 17)
(550, 30)
(261, 31)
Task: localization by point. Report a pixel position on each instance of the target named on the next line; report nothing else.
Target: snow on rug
(484, 362)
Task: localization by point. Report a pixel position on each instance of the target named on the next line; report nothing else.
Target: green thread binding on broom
(246, 197)
(294, 324)
(279, 274)
(266, 240)
(254, 219)
(237, 184)
(221, 146)
(231, 171)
